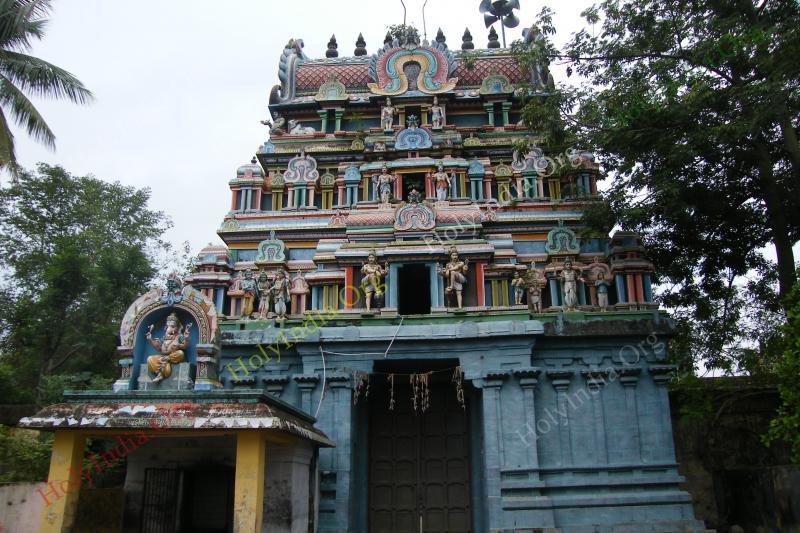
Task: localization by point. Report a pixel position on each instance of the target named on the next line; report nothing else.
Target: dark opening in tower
(414, 290)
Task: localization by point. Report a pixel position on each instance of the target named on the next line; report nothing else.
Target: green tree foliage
(22, 75)
(404, 33)
(75, 254)
(24, 455)
(693, 107)
(786, 425)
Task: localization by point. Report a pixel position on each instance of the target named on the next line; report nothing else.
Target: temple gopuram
(405, 330)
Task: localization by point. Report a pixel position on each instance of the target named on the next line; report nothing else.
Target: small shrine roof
(144, 410)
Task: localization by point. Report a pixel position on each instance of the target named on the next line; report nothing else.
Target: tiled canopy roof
(355, 76)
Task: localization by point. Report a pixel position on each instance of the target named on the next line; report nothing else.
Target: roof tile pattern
(310, 77)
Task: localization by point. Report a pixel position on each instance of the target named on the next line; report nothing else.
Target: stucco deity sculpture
(570, 278)
(413, 196)
(437, 114)
(441, 182)
(519, 285)
(249, 287)
(296, 128)
(534, 283)
(170, 347)
(280, 293)
(454, 274)
(387, 115)
(372, 282)
(277, 126)
(602, 291)
(384, 183)
(264, 295)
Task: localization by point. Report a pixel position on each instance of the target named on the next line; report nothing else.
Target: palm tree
(22, 21)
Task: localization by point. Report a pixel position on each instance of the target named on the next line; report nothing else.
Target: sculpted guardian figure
(264, 295)
(372, 282)
(170, 348)
(249, 288)
(570, 278)
(454, 274)
(387, 115)
(384, 182)
(534, 283)
(519, 285)
(280, 293)
(437, 114)
(441, 181)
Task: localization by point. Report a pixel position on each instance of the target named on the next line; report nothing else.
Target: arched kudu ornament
(160, 324)
(436, 64)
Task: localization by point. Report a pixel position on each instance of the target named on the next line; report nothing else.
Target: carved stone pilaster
(662, 375)
(493, 435)
(528, 379)
(595, 381)
(629, 377)
(306, 383)
(561, 380)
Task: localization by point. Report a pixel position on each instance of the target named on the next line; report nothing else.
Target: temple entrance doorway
(187, 501)
(419, 462)
(414, 295)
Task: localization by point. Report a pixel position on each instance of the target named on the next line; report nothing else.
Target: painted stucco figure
(602, 291)
(170, 348)
(387, 115)
(519, 285)
(277, 126)
(264, 295)
(569, 276)
(534, 283)
(454, 274)
(249, 289)
(372, 282)
(280, 293)
(441, 182)
(384, 183)
(437, 114)
(297, 128)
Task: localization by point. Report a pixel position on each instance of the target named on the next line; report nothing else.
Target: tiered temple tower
(393, 268)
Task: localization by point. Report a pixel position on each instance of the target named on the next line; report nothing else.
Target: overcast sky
(181, 85)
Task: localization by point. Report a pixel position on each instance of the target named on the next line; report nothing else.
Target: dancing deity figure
(280, 293)
(570, 278)
(249, 287)
(519, 285)
(384, 182)
(441, 182)
(170, 348)
(437, 114)
(387, 115)
(454, 274)
(264, 293)
(602, 291)
(534, 283)
(372, 282)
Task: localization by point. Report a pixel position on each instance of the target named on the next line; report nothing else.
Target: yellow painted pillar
(248, 507)
(63, 482)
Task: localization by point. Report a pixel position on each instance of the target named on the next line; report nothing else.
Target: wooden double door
(418, 462)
